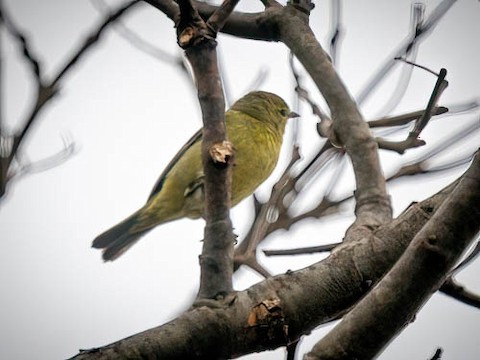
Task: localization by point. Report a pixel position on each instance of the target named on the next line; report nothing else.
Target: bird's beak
(293, 114)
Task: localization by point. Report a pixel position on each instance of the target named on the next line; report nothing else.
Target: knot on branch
(193, 35)
(222, 152)
(191, 29)
(268, 322)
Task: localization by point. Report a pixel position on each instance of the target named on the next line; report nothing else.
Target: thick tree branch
(245, 25)
(372, 200)
(217, 255)
(394, 301)
(198, 40)
(280, 309)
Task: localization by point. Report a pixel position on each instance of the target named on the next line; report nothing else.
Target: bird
(255, 125)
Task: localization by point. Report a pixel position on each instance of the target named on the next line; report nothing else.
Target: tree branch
(302, 251)
(197, 38)
(422, 269)
(451, 288)
(46, 90)
(425, 28)
(412, 139)
(404, 119)
(372, 201)
(280, 309)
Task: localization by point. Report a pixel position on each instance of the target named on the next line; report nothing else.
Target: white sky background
(128, 114)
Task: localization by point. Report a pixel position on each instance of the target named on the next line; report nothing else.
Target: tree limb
(198, 39)
(372, 201)
(280, 309)
(421, 270)
(451, 288)
(46, 90)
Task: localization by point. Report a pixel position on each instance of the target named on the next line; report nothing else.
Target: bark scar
(221, 152)
(268, 319)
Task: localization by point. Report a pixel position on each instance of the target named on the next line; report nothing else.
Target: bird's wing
(159, 184)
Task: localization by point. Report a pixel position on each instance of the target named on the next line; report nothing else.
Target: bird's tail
(118, 239)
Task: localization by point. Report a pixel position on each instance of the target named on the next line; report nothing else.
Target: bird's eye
(283, 112)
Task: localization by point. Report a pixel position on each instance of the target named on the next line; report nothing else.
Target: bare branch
(372, 202)
(418, 12)
(406, 47)
(266, 215)
(50, 161)
(405, 118)
(302, 251)
(280, 309)
(385, 310)
(336, 29)
(412, 139)
(244, 25)
(47, 90)
(92, 39)
(325, 123)
(22, 39)
(399, 146)
(218, 19)
(440, 86)
(420, 165)
(437, 355)
(451, 288)
(466, 106)
(197, 38)
(137, 41)
(409, 62)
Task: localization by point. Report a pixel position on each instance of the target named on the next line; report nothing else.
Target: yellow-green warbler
(255, 125)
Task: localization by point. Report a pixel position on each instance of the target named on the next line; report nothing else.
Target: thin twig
(302, 251)
(50, 161)
(451, 288)
(22, 39)
(418, 12)
(404, 119)
(218, 19)
(92, 39)
(412, 140)
(420, 164)
(336, 30)
(405, 48)
(440, 86)
(266, 215)
(304, 94)
(137, 41)
(437, 355)
(417, 65)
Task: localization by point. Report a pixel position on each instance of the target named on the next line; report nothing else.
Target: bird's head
(266, 107)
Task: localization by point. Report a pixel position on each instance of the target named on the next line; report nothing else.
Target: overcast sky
(127, 113)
